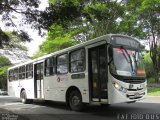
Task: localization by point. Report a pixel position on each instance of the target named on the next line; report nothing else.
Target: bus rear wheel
(75, 101)
(24, 97)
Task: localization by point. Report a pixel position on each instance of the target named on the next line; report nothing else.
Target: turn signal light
(141, 72)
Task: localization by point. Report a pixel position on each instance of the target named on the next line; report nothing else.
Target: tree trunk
(156, 76)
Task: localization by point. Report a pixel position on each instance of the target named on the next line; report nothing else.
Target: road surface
(148, 109)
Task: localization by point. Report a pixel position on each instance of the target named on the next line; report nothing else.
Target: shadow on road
(57, 105)
(108, 110)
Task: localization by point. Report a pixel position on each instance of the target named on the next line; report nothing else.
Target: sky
(33, 46)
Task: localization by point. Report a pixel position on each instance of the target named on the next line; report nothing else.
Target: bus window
(62, 64)
(15, 74)
(77, 61)
(22, 72)
(49, 66)
(10, 75)
(29, 71)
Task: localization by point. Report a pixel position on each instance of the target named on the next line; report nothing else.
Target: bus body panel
(28, 85)
(55, 87)
(118, 96)
(12, 88)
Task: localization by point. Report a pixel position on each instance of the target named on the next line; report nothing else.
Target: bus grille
(135, 89)
(135, 97)
(135, 81)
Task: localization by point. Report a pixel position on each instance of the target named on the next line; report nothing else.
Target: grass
(153, 91)
(153, 88)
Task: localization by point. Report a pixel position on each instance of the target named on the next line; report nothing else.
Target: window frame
(15, 75)
(50, 66)
(29, 71)
(84, 59)
(10, 76)
(67, 63)
(21, 72)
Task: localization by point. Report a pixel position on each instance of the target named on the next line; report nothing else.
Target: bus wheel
(75, 101)
(23, 97)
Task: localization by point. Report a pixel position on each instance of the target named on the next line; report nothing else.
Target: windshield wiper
(135, 60)
(126, 53)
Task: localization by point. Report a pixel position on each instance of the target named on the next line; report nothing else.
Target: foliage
(149, 17)
(79, 20)
(38, 54)
(57, 39)
(103, 16)
(4, 61)
(3, 77)
(4, 65)
(15, 41)
(152, 91)
(71, 22)
(148, 66)
(10, 9)
(57, 44)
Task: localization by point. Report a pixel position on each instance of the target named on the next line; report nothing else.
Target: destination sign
(127, 41)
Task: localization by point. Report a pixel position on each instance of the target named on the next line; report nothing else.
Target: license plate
(136, 94)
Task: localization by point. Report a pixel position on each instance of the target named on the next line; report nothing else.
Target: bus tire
(75, 101)
(24, 97)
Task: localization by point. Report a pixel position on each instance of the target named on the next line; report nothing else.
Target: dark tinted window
(29, 71)
(10, 75)
(15, 74)
(49, 66)
(22, 72)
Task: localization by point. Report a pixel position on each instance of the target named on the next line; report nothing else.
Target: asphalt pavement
(11, 108)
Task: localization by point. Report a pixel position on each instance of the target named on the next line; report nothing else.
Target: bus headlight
(119, 87)
(116, 85)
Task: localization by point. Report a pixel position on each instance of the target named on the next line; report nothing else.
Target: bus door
(38, 80)
(98, 73)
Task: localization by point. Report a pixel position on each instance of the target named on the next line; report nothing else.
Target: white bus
(106, 70)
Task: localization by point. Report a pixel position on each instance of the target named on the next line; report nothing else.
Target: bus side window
(49, 66)
(22, 72)
(62, 64)
(77, 61)
(10, 75)
(15, 74)
(29, 71)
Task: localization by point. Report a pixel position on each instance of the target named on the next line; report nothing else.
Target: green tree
(150, 18)
(75, 21)
(103, 16)
(16, 41)
(4, 64)
(4, 61)
(9, 9)
(148, 66)
(57, 39)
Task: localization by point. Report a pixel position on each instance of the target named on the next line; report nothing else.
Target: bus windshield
(127, 62)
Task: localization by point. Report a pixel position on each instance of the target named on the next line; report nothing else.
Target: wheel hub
(75, 100)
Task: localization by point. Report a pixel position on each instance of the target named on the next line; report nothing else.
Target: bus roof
(98, 39)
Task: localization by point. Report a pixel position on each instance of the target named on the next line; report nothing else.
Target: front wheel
(24, 97)
(75, 101)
